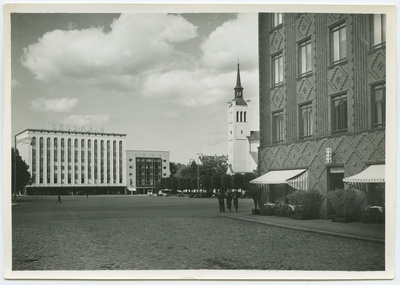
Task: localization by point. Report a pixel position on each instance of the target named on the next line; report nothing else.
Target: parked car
(162, 194)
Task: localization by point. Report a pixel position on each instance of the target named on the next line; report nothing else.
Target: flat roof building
(144, 170)
(70, 161)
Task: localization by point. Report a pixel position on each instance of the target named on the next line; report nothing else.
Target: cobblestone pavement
(94, 239)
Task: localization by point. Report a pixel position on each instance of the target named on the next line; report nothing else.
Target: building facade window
(69, 157)
(102, 161)
(41, 150)
(305, 58)
(89, 142)
(305, 121)
(108, 162)
(378, 105)
(48, 163)
(339, 114)
(277, 69)
(277, 127)
(96, 177)
(277, 20)
(62, 161)
(76, 161)
(338, 43)
(379, 29)
(34, 159)
(120, 162)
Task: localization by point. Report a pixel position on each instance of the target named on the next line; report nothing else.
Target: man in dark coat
(221, 197)
(236, 200)
(229, 197)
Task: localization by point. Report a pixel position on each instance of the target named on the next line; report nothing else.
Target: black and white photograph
(202, 142)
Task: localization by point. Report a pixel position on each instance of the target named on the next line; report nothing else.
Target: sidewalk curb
(307, 229)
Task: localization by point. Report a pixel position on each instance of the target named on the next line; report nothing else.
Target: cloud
(86, 120)
(140, 56)
(135, 42)
(54, 105)
(235, 39)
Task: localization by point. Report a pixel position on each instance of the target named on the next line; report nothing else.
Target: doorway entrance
(335, 181)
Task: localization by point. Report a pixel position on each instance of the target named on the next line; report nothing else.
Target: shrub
(345, 202)
(312, 200)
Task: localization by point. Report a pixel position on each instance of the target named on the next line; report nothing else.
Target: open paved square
(143, 232)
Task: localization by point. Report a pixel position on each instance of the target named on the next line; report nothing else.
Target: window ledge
(305, 75)
(276, 28)
(277, 86)
(377, 48)
(341, 62)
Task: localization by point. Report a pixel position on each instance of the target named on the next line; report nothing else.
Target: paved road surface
(141, 232)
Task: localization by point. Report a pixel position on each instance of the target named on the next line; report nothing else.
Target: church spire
(238, 88)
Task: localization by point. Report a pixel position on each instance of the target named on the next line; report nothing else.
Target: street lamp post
(198, 171)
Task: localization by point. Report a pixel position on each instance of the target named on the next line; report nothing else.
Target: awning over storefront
(297, 178)
(372, 174)
(132, 189)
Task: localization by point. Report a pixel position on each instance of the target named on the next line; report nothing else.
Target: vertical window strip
(379, 105)
(339, 114)
(379, 29)
(305, 65)
(338, 43)
(277, 69)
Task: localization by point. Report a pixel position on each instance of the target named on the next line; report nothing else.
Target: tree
(20, 174)
(216, 181)
(206, 182)
(193, 183)
(237, 181)
(213, 165)
(226, 182)
(166, 183)
(174, 184)
(173, 168)
(247, 177)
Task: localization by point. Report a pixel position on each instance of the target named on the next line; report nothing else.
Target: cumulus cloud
(188, 88)
(54, 105)
(139, 56)
(235, 39)
(134, 42)
(86, 120)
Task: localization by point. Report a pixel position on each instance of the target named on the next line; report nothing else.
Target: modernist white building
(70, 161)
(145, 169)
(242, 142)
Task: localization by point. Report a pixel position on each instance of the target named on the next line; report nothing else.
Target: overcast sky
(163, 80)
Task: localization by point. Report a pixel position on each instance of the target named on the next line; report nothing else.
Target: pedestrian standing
(236, 200)
(221, 198)
(59, 198)
(229, 197)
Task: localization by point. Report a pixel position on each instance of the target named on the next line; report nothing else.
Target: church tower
(238, 131)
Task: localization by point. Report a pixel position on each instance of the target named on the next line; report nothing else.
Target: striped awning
(297, 178)
(372, 174)
(300, 182)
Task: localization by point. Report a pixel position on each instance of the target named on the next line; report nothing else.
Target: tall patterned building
(73, 161)
(322, 101)
(242, 143)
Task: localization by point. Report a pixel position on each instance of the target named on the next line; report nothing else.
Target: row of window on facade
(338, 113)
(52, 161)
(338, 47)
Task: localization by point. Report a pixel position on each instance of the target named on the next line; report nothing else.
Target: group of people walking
(229, 198)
